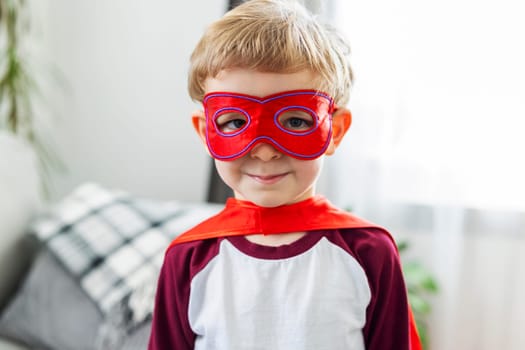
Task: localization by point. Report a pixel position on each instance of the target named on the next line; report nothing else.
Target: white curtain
(435, 152)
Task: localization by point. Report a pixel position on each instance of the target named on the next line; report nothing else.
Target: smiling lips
(268, 179)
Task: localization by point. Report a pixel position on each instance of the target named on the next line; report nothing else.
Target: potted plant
(19, 91)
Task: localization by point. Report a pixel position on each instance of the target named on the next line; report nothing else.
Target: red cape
(243, 217)
(239, 218)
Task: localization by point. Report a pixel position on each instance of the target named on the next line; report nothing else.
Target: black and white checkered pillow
(114, 243)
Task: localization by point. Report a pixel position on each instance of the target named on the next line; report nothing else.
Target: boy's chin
(269, 200)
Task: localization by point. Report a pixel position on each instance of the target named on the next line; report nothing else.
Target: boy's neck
(275, 240)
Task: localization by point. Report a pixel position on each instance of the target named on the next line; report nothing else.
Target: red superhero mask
(297, 123)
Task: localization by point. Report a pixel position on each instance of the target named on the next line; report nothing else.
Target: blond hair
(275, 36)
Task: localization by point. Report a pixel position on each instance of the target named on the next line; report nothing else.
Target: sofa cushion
(51, 311)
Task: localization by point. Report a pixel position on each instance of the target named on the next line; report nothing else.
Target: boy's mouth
(268, 179)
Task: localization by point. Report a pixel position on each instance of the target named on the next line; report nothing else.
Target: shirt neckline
(284, 251)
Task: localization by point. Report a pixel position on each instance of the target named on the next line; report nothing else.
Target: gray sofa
(81, 275)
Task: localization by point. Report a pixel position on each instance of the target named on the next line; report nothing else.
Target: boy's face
(264, 175)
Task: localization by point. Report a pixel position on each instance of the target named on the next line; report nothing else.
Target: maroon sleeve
(387, 318)
(170, 326)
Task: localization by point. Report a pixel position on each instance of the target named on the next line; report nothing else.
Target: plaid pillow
(114, 244)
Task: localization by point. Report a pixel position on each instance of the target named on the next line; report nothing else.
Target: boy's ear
(199, 124)
(341, 121)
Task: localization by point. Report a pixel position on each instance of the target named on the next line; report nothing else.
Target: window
(438, 101)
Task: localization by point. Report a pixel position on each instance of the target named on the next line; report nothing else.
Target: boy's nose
(265, 152)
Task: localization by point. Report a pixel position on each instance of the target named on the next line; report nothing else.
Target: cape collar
(243, 218)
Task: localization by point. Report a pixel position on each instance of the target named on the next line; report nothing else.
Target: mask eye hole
(231, 122)
(296, 121)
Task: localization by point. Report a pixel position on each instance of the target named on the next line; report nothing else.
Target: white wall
(124, 117)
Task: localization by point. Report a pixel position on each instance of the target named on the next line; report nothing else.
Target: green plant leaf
(19, 88)
(402, 246)
(419, 304)
(417, 276)
(420, 284)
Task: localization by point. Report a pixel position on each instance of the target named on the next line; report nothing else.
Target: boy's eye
(231, 122)
(296, 120)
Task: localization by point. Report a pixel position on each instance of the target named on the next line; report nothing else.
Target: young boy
(279, 268)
